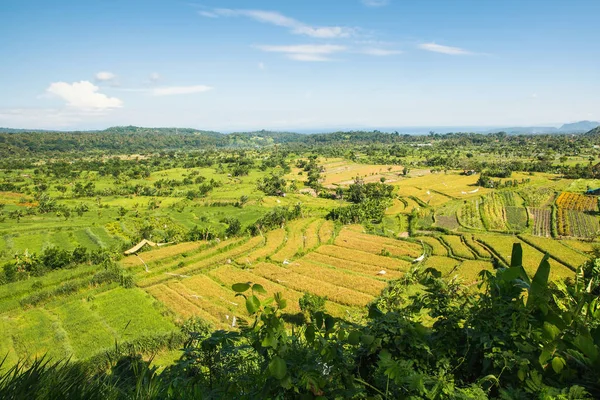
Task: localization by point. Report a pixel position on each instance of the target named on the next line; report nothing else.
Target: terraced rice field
(274, 240)
(469, 270)
(362, 257)
(164, 252)
(502, 245)
(578, 202)
(475, 246)
(326, 232)
(339, 263)
(377, 245)
(558, 250)
(311, 235)
(302, 283)
(294, 242)
(437, 248)
(445, 265)
(457, 246)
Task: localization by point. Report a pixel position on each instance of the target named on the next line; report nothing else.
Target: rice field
(469, 270)
(341, 278)
(326, 231)
(502, 245)
(557, 249)
(475, 246)
(366, 269)
(294, 241)
(162, 253)
(469, 214)
(303, 283)
(311, 235)
(445, 265)
(364, 257)
(458, 247)
(437, 248)
(275, 239)
(377, 244)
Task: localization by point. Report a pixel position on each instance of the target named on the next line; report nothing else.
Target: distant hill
(581, 126)
(593, 132)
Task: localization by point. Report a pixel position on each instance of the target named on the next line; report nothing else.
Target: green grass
(87, 332)
(36, 332)
(131, 313)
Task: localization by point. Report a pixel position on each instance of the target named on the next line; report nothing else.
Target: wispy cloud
(154, 77)
(438, 48)
(83, 95)
(375, 3)
(380, 52)
(105, 76)
(208, 14)
(305, 52)
(278, 19)
(175, 90)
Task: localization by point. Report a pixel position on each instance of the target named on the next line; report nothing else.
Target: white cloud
(307, 57)
(175, 90)
(375, 3)
(154, 77)
(261, 66)
(83, 95)
(278, 19)
(377, 51)
(105, 76)
(305, 52)
(208, 14)
(438, 48)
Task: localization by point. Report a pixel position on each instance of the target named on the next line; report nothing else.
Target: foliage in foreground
(517, 337)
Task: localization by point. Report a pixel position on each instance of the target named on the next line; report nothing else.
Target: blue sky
(298, 65)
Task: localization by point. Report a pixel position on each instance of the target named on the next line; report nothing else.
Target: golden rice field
(438, 249)
(452, 184)
(350, 269)
(339, 263)
(311, 235)
(457, 246)
(557, 249)
(274, 240)
(344, 172)
(503, 245)
(326, 231)
(302, 283)
(469, 270)
(362, 257)
(583, 247)
(377, 245)
(476, 246)
(294, 241)
(354, 281)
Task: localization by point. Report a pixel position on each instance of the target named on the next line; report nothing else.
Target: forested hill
(132, 139)
(594, 132)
